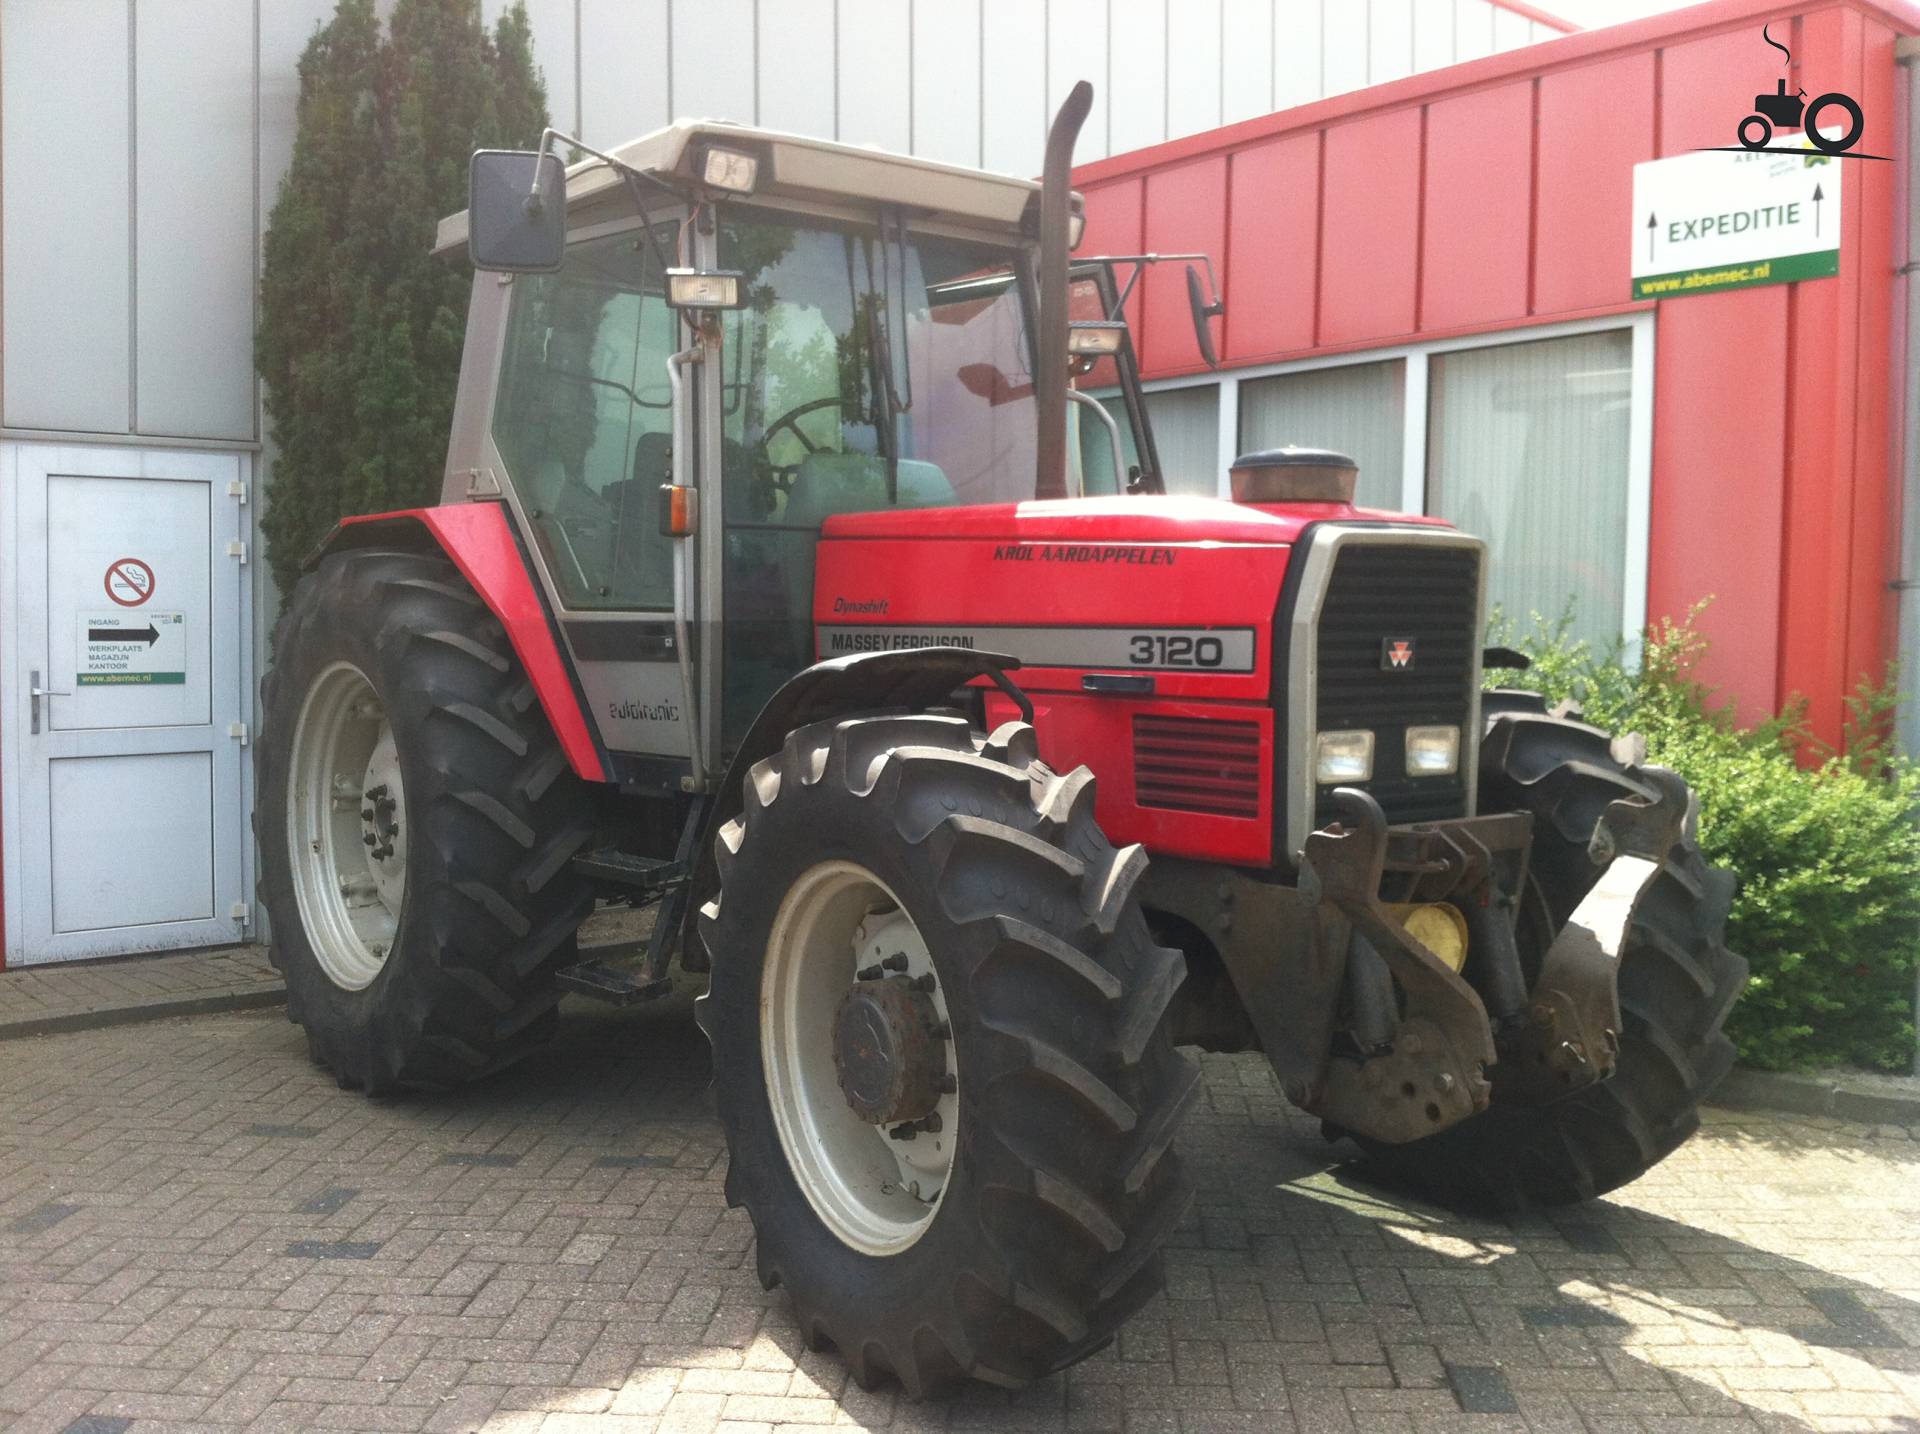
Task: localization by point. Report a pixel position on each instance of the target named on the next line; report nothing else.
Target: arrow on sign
(148, 634)
(1817, 197)
(1651, 222)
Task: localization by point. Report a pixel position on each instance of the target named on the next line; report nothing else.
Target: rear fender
(842, 686)
(481, 541)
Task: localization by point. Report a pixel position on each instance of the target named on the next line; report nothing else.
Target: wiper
(880, 375)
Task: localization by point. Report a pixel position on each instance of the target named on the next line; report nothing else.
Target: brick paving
(199, 1231)
(75, 994)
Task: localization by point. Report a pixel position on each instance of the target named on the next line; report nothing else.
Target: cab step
(638, 879)
(616, 974)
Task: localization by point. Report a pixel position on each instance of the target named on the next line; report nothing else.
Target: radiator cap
(1294, 475)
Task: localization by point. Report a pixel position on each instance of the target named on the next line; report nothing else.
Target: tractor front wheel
(415, 819)
(941, 1051)
(1677, 980)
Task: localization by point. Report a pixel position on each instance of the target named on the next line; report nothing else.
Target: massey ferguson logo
(1396, 654)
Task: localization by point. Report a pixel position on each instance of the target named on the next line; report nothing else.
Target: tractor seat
(831, 483)
(642, 559)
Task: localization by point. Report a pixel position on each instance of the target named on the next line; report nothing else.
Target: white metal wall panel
(1014, 125)
(1510, 30)
(623, 69)
(1137, 74)
(1297, 52)
(193, 244)
(63, 93)
(946, 80)
(1389, 40)
(796, 58)
(1193, 68)
(1472, 29)
(1432, 34)
(1077, 50)
(1246, 59)
(876, 83)
(1343, 38)
(714, 59)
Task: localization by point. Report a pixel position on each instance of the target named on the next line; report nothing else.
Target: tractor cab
(685, 356)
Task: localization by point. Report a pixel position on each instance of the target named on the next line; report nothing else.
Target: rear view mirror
(1202, 311)
(516, 211)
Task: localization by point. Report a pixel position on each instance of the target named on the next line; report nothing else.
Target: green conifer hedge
(360, 326)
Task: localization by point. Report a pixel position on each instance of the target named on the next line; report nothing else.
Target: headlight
(1094, 338)
(1433, 751)
(698, 289)
(1342, 757)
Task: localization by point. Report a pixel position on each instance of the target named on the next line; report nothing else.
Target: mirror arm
(631, 176)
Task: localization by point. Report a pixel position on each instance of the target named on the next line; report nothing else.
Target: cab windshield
(871, 367)
(866, 372)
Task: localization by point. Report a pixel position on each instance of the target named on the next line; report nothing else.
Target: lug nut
(949, 1083)
(924, 983)
(869, 973)
(904, 1132)
(896, 962)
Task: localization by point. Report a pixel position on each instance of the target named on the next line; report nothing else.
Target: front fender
(869, 682)
(480, 540)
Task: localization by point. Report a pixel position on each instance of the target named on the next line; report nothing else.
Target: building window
(1186, 431)
(1527, 445)
(1358, 409)
(1540, 442)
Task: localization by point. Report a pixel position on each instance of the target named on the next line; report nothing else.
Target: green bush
(360, 326)
(1825, 842)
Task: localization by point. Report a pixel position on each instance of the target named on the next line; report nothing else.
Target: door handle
(37, 692)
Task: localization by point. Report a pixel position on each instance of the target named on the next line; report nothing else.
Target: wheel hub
(347, 826)
(889, 1051)
(862, 1072)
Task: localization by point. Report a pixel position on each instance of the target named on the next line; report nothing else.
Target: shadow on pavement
(1297, 1284)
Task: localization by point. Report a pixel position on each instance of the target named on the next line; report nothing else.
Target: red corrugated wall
(1496, 194)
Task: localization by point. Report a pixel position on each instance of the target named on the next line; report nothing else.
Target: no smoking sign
(129, 581)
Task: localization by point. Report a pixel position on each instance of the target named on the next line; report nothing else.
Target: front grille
(1378, 593)
(1197, 765)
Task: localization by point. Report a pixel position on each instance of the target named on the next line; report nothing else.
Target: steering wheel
(792, 423)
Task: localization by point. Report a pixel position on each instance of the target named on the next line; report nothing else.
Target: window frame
(1413, 478)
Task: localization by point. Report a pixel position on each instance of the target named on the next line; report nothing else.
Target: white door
(121, 684)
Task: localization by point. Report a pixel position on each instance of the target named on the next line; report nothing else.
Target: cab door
(583, 424)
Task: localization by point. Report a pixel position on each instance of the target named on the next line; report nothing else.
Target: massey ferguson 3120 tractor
(803, 559)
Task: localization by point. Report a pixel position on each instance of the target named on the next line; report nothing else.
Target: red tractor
(772, 587)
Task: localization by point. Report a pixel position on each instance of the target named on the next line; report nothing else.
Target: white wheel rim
(346, 826)
(877, 1194)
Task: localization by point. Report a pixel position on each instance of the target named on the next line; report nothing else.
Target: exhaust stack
(1050, 383)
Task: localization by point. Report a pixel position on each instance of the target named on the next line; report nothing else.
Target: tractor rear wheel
(1677, 981)
(941, 1052)
(415, 819)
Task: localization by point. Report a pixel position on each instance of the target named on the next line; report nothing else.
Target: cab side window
(584, 421)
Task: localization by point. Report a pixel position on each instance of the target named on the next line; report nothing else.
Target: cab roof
(796, 167)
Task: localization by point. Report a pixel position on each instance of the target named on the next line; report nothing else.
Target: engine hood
(1108, 522)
